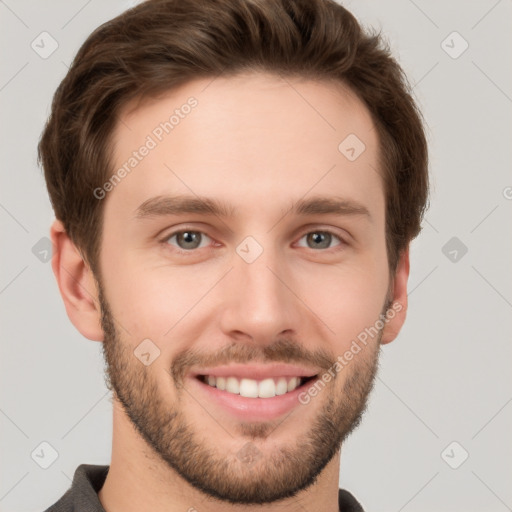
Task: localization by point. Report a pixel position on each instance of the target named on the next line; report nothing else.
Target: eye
(321, 239)
(187, 240)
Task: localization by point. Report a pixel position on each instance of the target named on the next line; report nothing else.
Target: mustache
(283, 350)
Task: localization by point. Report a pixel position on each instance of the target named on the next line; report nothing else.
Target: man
(236, 184)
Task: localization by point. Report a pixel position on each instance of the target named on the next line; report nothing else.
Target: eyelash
(165, 240)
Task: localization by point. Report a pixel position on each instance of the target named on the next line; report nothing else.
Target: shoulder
(83, 494)
(347, 502)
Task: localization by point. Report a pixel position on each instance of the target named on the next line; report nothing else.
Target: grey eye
(187, 239)
(320, 239)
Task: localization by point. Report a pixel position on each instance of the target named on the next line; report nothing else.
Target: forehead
(251, 136)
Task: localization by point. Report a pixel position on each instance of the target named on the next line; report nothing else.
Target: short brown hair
(161, 44)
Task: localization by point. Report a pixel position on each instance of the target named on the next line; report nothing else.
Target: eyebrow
(160, 206)
(180, 205)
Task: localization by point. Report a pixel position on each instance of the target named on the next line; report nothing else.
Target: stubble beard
(228, 477)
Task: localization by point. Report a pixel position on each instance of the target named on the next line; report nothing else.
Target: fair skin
(255, 144)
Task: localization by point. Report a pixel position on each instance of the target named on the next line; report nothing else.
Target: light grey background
(446, 378)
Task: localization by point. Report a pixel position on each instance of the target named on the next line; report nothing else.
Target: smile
(251, 388)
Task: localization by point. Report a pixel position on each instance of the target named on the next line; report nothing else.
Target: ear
(76, 283)
(398, 295)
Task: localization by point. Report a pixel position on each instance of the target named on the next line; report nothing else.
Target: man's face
(263, 286)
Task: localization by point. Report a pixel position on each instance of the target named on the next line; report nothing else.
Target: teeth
(282, 386)
(266, 388)
(251, 388)
(293, 383)
(232, 385)
(221, 383)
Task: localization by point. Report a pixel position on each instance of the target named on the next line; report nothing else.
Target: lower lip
(252, 409)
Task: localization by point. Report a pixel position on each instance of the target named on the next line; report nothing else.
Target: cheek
(149, 299)
(348, 300)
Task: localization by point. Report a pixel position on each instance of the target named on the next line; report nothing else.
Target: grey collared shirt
(88, 479)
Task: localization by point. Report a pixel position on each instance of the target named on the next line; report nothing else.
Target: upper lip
(256, 372)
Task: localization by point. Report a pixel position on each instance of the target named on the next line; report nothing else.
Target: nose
(260, 301)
